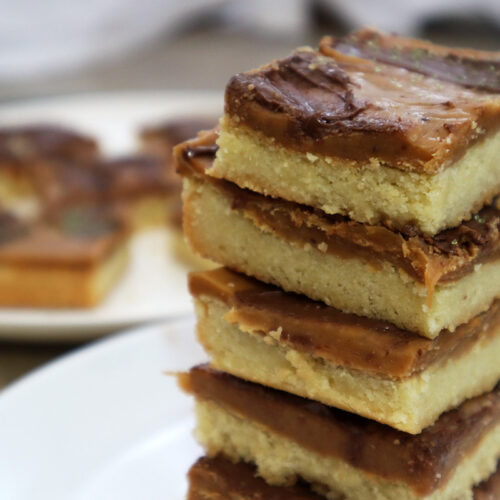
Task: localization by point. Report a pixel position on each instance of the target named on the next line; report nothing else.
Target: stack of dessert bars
(354, 332)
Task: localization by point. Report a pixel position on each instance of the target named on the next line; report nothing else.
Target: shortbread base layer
(280, 461)
(146, 211)
(371, 192)
(222, 233)
(408, 404)
(53, 286)
(185, 255)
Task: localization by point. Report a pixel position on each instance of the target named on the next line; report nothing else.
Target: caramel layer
(358, 107)
(343, 339)
(425, 461)
(444, 257)
(76, 237)
(490, 489)
(219, 479)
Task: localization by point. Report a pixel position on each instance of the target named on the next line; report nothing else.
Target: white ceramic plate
(154, 287)
(103, 423)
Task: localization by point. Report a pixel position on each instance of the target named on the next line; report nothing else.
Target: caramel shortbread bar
(139, 186)
(343, 455)
(375, 127)
(160, 140)
(70, 261)
(420, 283)
(136, 187)
(365, 366)
(22, 148)
(218, 478)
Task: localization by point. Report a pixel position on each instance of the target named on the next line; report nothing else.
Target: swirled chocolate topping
(465, 67)
(296, 86)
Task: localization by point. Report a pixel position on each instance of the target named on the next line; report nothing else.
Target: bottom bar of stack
(217, 478)
(342, 455)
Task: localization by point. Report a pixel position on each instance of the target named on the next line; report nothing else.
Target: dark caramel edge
(218, 478)
(425, 462)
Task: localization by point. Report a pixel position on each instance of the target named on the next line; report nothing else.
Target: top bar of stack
(379, 128)
(381, 156)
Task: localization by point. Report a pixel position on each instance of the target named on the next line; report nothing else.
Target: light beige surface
(60, 286)
(280, 460)
(147, 211)
(224, 235)
(409, 404)
(370, 192)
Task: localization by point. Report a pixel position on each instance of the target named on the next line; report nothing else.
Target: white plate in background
(154, 287)
(103, 423)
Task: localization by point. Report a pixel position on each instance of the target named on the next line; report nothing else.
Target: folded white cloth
(46, 36)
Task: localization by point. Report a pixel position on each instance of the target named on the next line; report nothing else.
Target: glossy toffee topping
(18, 144)
(444, 257)
(74, 237)
(465, 67)
(348, 340)
(354, 107)
(217, 478)
(425, 462)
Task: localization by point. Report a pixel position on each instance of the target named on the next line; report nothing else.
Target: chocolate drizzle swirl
(306, 85)
(468, 68)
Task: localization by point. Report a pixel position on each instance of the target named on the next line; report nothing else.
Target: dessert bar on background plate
(70, 261)
(23, 148)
